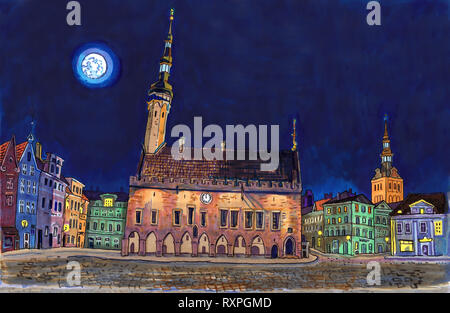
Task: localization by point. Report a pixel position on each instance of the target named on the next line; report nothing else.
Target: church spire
(386, 154)
(165, 63)
(294, 141)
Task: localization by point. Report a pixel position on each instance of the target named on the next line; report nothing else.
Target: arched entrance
(150, 243)
(133, 243)
(186, 244)
(274, 252)
(257, 246)
(239, 246)
(168, 246)
(203, 245)
(222, 246)
(289, 246)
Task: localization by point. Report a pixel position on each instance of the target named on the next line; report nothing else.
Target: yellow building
(387, 184)
(82, 221)
(72, 212)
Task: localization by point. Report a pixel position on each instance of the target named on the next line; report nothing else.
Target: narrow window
(276, 220)
(223, 218)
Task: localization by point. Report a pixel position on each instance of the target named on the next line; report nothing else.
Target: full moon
(94, 66)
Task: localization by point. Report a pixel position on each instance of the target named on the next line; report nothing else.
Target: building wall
(43, 223)
(113, 220)
(356, 236)
(382, 229)
(389, 189)
(412, 242)
(163, 238)
(72, 210)
(312, 230)
(82, 224)
(27, 199)
(9, 173)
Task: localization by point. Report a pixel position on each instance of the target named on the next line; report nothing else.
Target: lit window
(438, 228)
(406, 246)
(108, 202)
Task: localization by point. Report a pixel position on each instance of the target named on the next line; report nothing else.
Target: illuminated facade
(72, 212)
(208, 207)
(106, 220)
(387, 184)
(419, 226)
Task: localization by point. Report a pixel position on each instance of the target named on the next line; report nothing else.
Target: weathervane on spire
(294, 142)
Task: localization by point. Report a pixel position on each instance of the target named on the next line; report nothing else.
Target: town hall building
(208, 207)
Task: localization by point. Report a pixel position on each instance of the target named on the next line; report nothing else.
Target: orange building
(208, 207)
(82, 221)
(387, 184)
(72, 212)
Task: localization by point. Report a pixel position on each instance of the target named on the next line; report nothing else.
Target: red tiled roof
(319, 203)
(3, 149)
(162, 164)
(20, 149)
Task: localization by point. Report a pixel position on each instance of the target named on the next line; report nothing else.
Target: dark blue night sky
(248, 62)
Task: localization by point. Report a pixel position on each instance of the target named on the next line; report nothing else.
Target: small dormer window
(108, 202)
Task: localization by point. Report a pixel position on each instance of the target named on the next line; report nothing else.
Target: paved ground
(108, 272)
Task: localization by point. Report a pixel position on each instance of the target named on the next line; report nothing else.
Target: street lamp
(348, 238)
(320, 233)
(387, 239)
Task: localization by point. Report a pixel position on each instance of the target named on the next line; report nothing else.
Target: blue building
(27, 194)
(419, 226)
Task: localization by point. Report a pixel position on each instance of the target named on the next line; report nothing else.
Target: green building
(106, 220)
(349, 226)
(382, 226)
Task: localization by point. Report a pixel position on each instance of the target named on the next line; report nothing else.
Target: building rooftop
(437, 199)
(162, 164)
(95, 195)
(358, 198)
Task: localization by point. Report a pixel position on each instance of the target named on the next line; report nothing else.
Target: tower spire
(160, 98)
(294, 142)
(165, 63)
(386, 154)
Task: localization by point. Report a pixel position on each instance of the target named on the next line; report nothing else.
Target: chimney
(38, 151)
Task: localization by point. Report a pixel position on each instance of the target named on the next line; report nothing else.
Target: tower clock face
(206, 198)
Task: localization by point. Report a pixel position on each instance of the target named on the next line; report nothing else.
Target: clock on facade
(206, 198)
